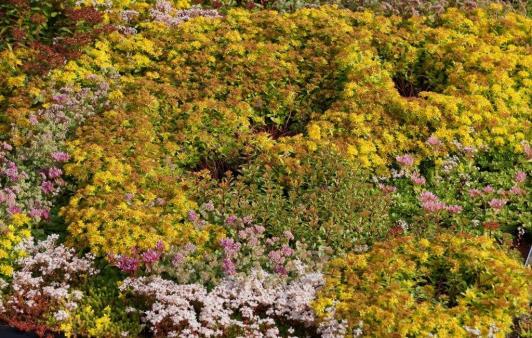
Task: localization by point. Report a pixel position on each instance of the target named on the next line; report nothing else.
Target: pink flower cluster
(497, 203)
(236, 255)
(252, 246)
(31, 174)
(405, 160)
(434, 141)
(166, 13)
(60, 156)
(520, 177)
(130, 264)
(417, 179)
(432, 204)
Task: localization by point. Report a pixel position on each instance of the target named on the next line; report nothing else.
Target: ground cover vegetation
(265, 168)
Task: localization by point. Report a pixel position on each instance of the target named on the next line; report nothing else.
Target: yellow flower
(6, 270)
(314, 132)
(20, 219)
(16, 81)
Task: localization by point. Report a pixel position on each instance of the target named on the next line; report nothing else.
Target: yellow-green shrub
(127, 197)
(217, 93)
(412, 287)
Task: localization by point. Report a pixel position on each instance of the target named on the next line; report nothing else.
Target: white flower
(61, 315)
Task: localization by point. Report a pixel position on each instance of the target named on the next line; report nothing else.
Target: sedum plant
(448, 285)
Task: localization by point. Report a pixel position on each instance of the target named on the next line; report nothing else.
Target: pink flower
(520, 177)
(430, 202)
(231, 219)
(468, 150)
(433, 141)
(14, 210)
(54, 172)
(405, 160)
(474, 192)
(192, 216)
(178, 259)
(288, 234)
(454, 209)
(39, 213)
(189, 247)
(286, 251)
(151, 256)
(12, 171)
(47, 187)
(60, 156)
(527, 150)
(33, 119)
(417, 179)
(433, 206)
(60, 98)
(229, 267)
(516, 191)
(128, 264)
(280, 269)
(276, 257)
(159, 246)
(243, 234)
(8, 196)
(253, 241)
(259, 229)
(427, 196)
(7, 146)
(497, 204)
(209, 206)
(230, 247)
(488, 189)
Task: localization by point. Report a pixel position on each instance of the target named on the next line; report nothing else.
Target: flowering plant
(475, 193)
(452, 284)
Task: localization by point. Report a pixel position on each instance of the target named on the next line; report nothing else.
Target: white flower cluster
(46, 278)
(50, 260)
(250, 305)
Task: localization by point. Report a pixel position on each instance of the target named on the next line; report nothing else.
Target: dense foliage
(217, 171)
(447, 286)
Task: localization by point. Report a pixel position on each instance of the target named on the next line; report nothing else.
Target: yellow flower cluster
(11, 235)
(127, 197)
(444, 286)
(408, 81)
(85, 321)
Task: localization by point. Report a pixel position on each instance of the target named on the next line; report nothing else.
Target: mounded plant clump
(183, 171)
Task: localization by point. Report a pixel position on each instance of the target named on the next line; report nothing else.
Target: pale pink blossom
(454, 209)
(60, 156)
(520, 177)
(418, 179)
(488, 189)
(497, 203)
(474, 192)
(405, 160)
